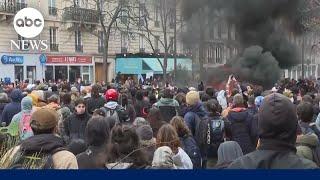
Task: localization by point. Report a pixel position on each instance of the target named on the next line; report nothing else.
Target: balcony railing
(79, 48)
(80, 15)
(54, 47)
(9, 6)
(53, 11)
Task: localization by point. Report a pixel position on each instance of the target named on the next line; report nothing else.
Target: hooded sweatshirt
(168, 108)
(227, 153)
(12, 108)
(14, 129)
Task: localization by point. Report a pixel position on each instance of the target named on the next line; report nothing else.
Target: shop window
(31, 73)
(74, 73)
(61, 72)
(49, 73)
(18, 73)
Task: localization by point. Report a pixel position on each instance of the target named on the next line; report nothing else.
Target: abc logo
(28, 22)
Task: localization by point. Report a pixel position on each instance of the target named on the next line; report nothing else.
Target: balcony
(53, 11)
(81, 15)
(10, 7)
(79, 48)
(54, 47)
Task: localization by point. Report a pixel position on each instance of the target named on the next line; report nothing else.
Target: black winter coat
(75, 126)
(238, 128)
(273, 155)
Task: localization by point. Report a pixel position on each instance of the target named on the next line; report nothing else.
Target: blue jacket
(12, 108)
(191, 113)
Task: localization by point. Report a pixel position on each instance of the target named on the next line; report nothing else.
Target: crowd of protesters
(121, 126)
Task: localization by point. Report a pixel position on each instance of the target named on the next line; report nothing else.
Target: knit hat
(192, 98)
(44, 119)
(145, 132)
(277, 119)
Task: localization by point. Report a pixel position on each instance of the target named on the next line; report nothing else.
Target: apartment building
(75, 40)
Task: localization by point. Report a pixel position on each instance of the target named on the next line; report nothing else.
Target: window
(52, 8)
(156, 43)
(218, 55)
(124, 11)
(23, 45)
(53, 39)
(142, 14)
(100, 41)
(211, 32)
(31, 73)
(124, 42)
(210, 54)
(220, 30)
(81, 3)
(141, 42)
(172, 18)
(78, 42)
(49, 73)
(171, 45)
(157, 13)
(18, 73)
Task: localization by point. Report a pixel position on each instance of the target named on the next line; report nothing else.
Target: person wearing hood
(238, 125)
(3, 102)
(12, 108)
(75, 125)
(168, 106)
(163, 158)
(43, 123)
(277, 131)
(195, 108)
(97, 137)
(227, 153)
(15, 127)
(147, 141)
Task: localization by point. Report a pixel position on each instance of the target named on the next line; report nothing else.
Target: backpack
(191, 148)
(24, 126)
(39, 160)
(114, 114)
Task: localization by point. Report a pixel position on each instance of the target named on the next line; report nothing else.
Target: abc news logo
(29, 23)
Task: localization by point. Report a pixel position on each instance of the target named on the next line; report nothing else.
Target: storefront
(70, 68)
(19, 67)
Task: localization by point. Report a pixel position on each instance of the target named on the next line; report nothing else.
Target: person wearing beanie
(238, 125)
(277, 132)
(13, 107)
(15, 128)
(75, 125)
(147, 141)
(44, 125)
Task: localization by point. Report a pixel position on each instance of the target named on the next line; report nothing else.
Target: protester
(3, 102)
(167, 136)
(227, 153)
(97, 138)
(168, 106)
(155, 119)
(95, 101)
(74, 126)
(147, 141)
(43, 123)
(13, 107)
(277, 131)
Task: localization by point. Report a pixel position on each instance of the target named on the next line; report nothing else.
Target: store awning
(145, 65)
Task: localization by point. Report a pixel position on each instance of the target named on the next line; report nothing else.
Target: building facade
(75, 37)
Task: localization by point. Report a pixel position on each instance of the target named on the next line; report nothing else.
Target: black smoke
(262, 28)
